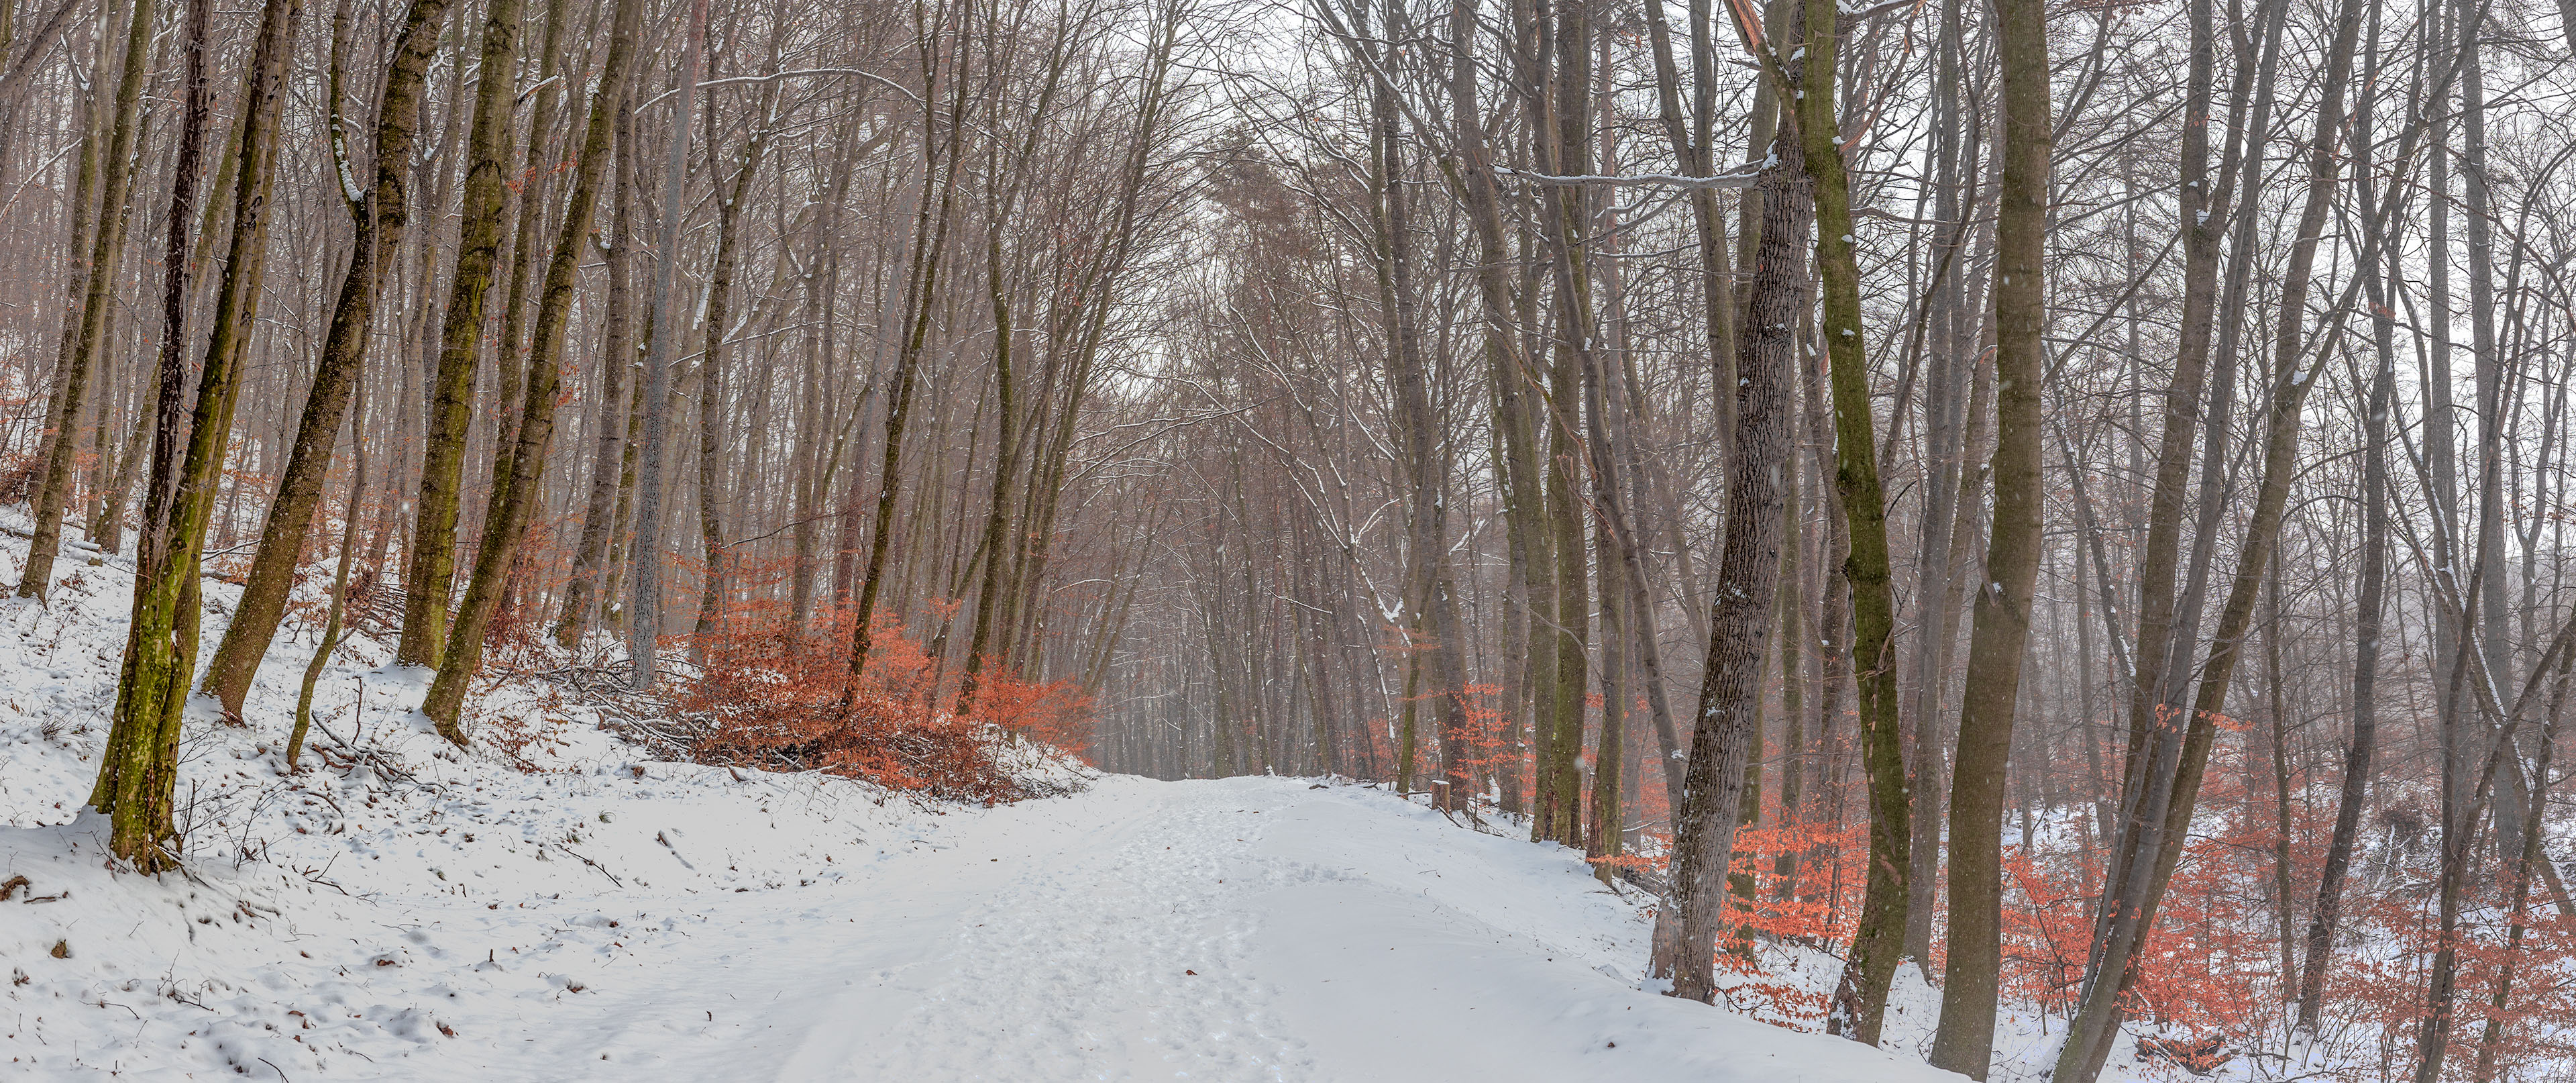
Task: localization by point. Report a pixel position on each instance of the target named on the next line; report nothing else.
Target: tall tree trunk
(1860, 995)
(1565, 53)
(2488, 374)
(1509, 370)
(139, 771)
(940, 154)
(514, 502)
(90, 314)
(1730, 704)
(719, 311)
(2371, 607)
(532, 189)
(431, 580)
(1964, 1042)
(2202, 209)
(1951, 418)
(382, 215)
(2167, 770)
(1430, 588)
(599, 523)
(1010, 436)
(644, 553)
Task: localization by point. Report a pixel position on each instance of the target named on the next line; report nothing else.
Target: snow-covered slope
(552, 905)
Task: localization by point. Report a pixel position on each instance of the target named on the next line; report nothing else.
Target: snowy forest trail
(1248, 929)
(550, 905)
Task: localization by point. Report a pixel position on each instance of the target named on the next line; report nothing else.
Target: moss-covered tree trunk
(534, 187)
(1860, 995)
(515, 499)
(139, 772)
(383, 214)
(1565, 142)
(81, 338)
(451, 411)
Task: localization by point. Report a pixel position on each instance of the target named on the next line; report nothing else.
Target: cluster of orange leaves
(2212, 968)
(777, 695)
(2211, 972)
(781, 697)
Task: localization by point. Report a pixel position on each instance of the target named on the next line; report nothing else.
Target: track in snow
(1245, 929)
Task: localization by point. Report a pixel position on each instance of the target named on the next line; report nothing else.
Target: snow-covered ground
(1248, 929)
(1245, 929)
(552, 905)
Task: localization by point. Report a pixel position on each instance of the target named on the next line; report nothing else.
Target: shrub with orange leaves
(1056, 713)
(775, 697)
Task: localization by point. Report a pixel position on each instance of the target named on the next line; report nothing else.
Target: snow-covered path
(1249, 929)
(550, 905)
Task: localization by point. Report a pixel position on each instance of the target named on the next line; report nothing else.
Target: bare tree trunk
(2371, 607)
(1562, 98)
(81, 346)
(2488, 373)
(2146, 778)
(1010, 435)
(644, 554)
(514, 503)
(1728, 723)
(331, 623)
(1860, 996)
(382, 214)
(2518, 882)
(1509, 370)
(1951, 417)
(432, 574)
(532, 190)
(600, 520)
(139, 771)
(711, 483)
(1430, 587)
(1964, 1042)
(2174, 764)
(940, 152)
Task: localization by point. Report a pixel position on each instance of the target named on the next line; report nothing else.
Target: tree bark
(514, 503)
(1728, 723)
(382, 215)
(2174, 764)
(431, 580)
(940, 152)
(719, 311)
(2370, 608)
(1964, 1042)
(1860, 995)
(139, 771)
(644, 553)
(81, 346)
(592, 553)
